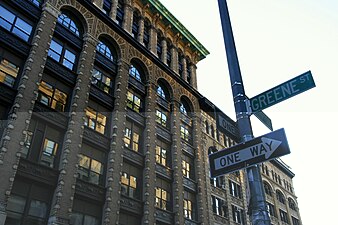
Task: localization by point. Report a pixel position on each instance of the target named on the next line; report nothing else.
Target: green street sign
(282, 92)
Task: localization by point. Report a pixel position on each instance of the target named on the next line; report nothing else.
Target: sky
(277, 41)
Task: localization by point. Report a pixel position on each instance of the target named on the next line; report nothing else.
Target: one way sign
(245, 154)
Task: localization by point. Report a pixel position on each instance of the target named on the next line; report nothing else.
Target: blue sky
(276, 41)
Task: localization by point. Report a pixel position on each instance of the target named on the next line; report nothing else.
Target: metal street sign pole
(257, 205)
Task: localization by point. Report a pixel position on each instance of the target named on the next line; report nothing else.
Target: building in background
(102, 121)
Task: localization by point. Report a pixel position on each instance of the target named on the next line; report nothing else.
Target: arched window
(67, 22)
(104, 50)
(280, 197)
(292, 204)
(134, 72)
(267, 189)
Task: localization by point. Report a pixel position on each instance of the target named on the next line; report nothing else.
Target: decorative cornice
(195, 44)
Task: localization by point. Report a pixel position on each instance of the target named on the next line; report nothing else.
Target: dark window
(280, 197)
(207, 127)
(219, 206)
(292, 204)
(68, 23)
(92, 165)
(238, 215)
(129, 219)
(159, 47)
(132, 136)
(180, 64)
(119, 13)
(283, 216)
(135, 25)
(28, 204)
(106, 6)
(188, 73)
(267, 189)
(212, 131)
(146, 34)
(218, 182)
(85, 213)
(52, 96)
(131, 181)
(61, 53)
(235, 189)
(169, 47)
(162, 153)
(295, 221)
(271, 209)
(42, 143)
(15, 24)
(163, 194)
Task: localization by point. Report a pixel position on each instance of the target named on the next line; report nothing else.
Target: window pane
(84, 161)
(16, 204)
(133, 182)
(8, 72)
(76, 218)
(22, 29)
(38, 209)
(6, 18)
(90, 220)
(55, 50)
(69, 59)
(97, 167)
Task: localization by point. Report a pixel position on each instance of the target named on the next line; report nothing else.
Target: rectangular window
(8, 72)
(162, 118)
(219, 206)
(162, 194)
(132, 138)
(295, 221)
(62, 54)
(49, 152)
(91, 170)
(271, 209)
(189, 205)
(218, 182)
(95, 120)
(162, 153)
(15, 24)
(238, 215)
(134, 101)
(131, 181)
(85, 213)
(119, 13)
(283, 216)
(103, 82)
(107, 6)
(186, 133)
(235, 189)
(52, 97)
(187, 167)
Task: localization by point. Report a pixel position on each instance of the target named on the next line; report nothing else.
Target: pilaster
(164, 51)
(174, 59)
(19, 116)
(113, 9)
(128, 18)
(63, 198)
(140, 30)
(193, 76)
(184, 64)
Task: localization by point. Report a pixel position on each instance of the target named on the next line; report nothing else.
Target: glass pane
(124, 179)
(16, 204)
(46, 88)
(133, 182)
(55, 50)
(38, 209)
(84, 161)
(6, 18)
(97, 166)
(23, 29)
(76, 219)
(90, 220)
(101, 123)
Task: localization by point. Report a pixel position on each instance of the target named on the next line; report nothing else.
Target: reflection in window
(62, 54)
(68, 23)
(14, 24)
(133, 101)
(161, 118)
(186, 169)
(162, 154)
(102, 81)
(52, 97)
(162, 198)
(90, 170)
(49, 152)
(104, 50)
(129, 185)
(132, 137)
(161, 92)
(95, 120)
(133, 72)
(8, 72)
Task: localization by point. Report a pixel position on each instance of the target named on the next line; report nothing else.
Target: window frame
(95, 120)
(62, 59)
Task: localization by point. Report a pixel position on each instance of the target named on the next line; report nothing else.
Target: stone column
(176, 150)
(201, 196)
(128, 17)
(152, 40)
(140, 30)
(174, 59)
(164, 51)
(149, 174)
(12, 141)
(184, 64)
(193, 76)
(113, 9)
(115, 158)
(64, 192)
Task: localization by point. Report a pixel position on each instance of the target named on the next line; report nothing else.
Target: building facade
(102, 121)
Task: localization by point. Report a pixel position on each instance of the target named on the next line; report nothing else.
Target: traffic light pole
(257, 208)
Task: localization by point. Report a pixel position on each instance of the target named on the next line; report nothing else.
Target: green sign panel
(282, 92)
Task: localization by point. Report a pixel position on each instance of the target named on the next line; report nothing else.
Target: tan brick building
(102, 121)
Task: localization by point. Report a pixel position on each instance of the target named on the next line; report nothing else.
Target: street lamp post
(257, 206)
